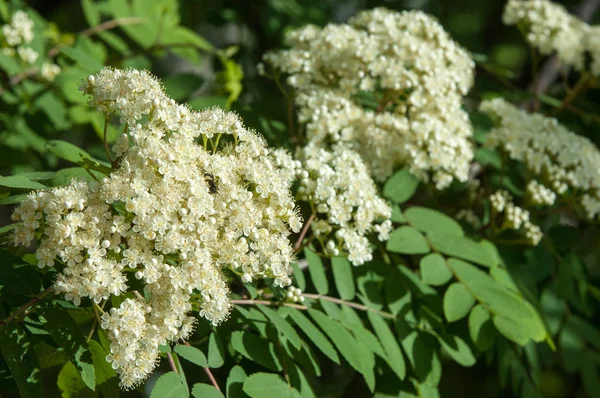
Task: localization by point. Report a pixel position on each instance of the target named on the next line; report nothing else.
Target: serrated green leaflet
(400, 186)
(407, 240)
(434, 270)
(342, 275)
(235, 382)
(256, 349)
(282, 325)
(316, 271)
(191, 354)
(66, 334)
(268, 385)
(457, 302)
(18, 353)
(462, 247)
(481, 328)
(390, 345)
(432, 221)
(201, 390)
(314, 334)
(170, 385)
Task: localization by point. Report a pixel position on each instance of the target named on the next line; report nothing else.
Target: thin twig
(303, 232)
(349, 304)
(580, 87)
(207, 371)
(22, 310)
(106, 120)
(266, 302)
(172, 362)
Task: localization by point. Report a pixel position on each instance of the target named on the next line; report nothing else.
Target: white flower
(515, 217)
(28, 55)
(20, 29)
(174, 212)
(50, 71)
(409, 65)
(348, 207)
(562, 161)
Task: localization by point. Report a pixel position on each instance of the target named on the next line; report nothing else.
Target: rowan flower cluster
(551, 29)
(515, 217)
(562, 161)
(344, 198)
(174, 212)
(18, 36)
(409, 66)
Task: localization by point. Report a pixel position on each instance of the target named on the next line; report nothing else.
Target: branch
(349, 304)
(208, 372)
(303, 232)
(22, 310)
(266, 302)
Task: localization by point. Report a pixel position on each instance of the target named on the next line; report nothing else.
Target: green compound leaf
(66, 334)
(20, 182)
(282, 326)
(70, 384)
(216, 352)
(256, 349)
(235, 382)
(314, 334)
(401, 186)
(201, 390)
(18, 353)
(342, 275)
(457, 302)
(170, 385)
(192, 354)
(346, 344)
(481, 328)
(390, 345)
(268, 385)
(67, 151)
(462, 247)
(299, 279)
(407, 240)
(106, 377)
(316, 271)
(518, 320)
(434, 270)
(429, 220)
(457, 349)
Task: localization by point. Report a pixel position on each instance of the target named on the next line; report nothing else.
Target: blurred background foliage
(206, 52)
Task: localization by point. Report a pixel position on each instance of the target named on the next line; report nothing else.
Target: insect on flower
(212, 185)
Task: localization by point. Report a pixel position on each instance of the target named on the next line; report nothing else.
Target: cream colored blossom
(176, 211)
(410, 66)
(550, 28)
(347, 205)
(515, 217)
(564, 162)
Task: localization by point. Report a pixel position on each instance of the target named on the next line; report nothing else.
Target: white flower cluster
(550, 28)
(18, 34)
(174, 213)
(410, 66)
(540, 194)
(515, 217)
(344, 198)
(19, 30)
(564, 162)
(294, 295)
